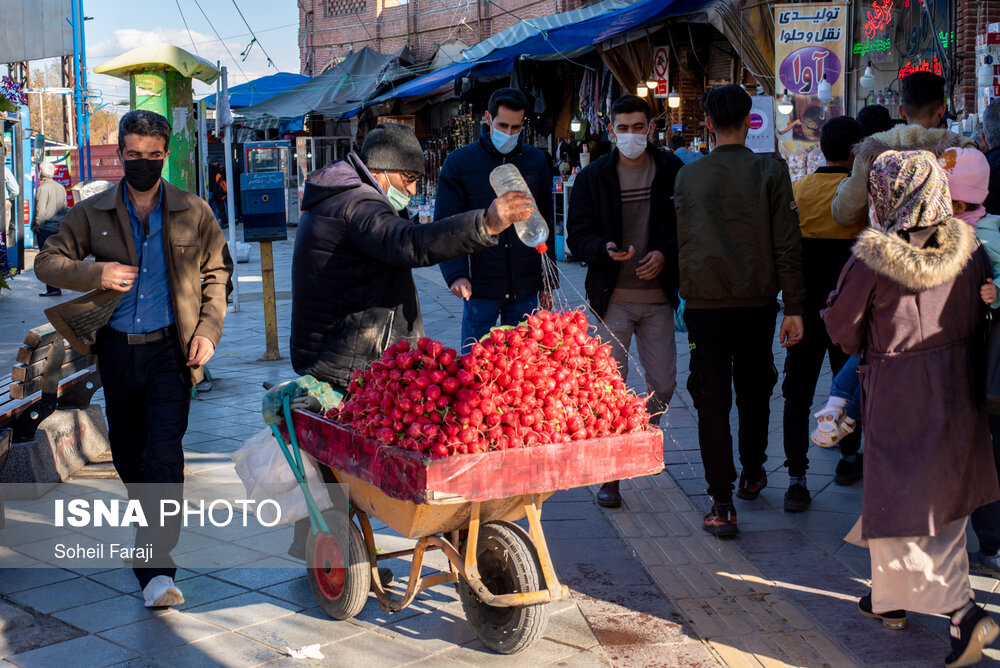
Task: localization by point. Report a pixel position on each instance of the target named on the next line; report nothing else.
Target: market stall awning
(579, 29)
(558, 34)
(259, 90)
(431, 82)
(338, 89)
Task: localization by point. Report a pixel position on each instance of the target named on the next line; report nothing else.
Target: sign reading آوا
(920, 66)
(810, 45)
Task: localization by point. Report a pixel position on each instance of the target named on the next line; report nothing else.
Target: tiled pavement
(649, 587)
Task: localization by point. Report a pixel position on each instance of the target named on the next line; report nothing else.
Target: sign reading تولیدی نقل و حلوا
(809, 47)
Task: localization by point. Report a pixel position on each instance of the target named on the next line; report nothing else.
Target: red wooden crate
(405, 475)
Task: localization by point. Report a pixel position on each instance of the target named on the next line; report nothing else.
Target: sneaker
(748, 490)
(797, 498)
(970, 636)
(894, 619)
(985, 564)
(161, 592)
(848, 473)
(721, 520)
(833, 426)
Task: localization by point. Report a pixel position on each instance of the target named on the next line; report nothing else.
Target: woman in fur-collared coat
(908, 301)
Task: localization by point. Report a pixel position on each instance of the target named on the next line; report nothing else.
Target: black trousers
(147, 391)
(40, 237)
(731, 347)
(803, 364)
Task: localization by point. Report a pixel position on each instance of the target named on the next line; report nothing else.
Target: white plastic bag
(265, 473)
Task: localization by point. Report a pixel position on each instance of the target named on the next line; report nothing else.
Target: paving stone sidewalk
(243, 617)
(650, 588)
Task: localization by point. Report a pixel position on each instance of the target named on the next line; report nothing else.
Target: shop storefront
(894, 38)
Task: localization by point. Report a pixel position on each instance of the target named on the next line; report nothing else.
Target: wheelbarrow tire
(340, 578)
(508, 564)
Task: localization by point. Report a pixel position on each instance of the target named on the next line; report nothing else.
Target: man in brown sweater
(621, 222)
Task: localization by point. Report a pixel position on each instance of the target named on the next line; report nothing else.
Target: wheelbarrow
(465, 506)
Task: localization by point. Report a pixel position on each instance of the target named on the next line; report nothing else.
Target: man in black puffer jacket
(505, 280)
(352, 291)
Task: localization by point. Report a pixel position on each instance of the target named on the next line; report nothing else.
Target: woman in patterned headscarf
(908, 301)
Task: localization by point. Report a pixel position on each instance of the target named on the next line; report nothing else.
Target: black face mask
(142, 174)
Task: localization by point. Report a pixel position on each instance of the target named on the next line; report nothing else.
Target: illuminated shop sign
(861, 49)
(921, 66)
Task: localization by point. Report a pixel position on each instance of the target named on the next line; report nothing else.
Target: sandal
(833, 426)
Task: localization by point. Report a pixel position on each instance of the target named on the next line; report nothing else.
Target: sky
(118, 27)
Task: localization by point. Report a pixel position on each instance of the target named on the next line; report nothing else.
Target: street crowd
(883, 261)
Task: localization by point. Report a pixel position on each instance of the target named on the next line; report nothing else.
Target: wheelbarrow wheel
(508, 564)
(339, 575)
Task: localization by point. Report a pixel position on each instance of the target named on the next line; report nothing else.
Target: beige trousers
(927, 574)
(653, 328)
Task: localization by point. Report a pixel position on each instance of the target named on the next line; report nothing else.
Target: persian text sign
(810, 46)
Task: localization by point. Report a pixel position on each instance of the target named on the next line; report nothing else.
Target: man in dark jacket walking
(739, 244)
(353, 294)
(621, 223)
(50, 208)
(505, 280)
(352, 291)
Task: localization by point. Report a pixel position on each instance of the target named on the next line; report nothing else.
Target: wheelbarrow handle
(293, 455)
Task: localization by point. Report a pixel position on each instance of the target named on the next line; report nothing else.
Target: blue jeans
(219, 209)
(847, 385)
(480, 315)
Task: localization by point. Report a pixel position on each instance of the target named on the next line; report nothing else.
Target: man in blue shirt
(162, 250)
(680, 149)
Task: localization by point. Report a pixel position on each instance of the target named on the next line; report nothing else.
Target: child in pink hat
(969, 181)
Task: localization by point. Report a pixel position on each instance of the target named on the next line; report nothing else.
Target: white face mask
(631, 145)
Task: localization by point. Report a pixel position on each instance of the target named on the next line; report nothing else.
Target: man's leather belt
(139, 339)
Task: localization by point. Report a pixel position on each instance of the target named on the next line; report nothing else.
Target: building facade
(328, 29)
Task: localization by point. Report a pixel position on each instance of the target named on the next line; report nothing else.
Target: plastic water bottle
(533, 231)
(870, 99)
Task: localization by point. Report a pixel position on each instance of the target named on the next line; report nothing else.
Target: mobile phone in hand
(617, 250)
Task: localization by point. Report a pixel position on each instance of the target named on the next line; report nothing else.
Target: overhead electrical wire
(190, 36)
(224, 45)
(247, 52)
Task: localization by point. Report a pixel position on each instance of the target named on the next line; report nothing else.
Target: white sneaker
(161, 592)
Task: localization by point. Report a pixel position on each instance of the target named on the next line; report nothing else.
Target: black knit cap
(392, 147)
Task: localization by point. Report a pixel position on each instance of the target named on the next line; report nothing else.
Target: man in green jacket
(739, 244)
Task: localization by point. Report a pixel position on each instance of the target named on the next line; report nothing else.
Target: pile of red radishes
(545, 381)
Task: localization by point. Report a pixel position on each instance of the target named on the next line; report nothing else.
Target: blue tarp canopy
(566, 33)
(428, 83)
(259, 90)
(337, 90)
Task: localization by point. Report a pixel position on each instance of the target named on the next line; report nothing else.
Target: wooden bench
(47, 375)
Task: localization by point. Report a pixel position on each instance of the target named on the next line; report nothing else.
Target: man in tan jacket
(923, 106)
(161, 249)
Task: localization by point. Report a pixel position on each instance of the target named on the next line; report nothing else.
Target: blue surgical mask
(503, 142)
(398, 199)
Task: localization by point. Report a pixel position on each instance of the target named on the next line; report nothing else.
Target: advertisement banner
(760, 139)
(810, 46)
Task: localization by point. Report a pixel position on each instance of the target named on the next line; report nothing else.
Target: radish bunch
(544, 381)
